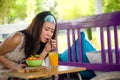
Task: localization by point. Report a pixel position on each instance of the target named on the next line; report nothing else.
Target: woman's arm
(50, 45)
(7, 46)
(6, 62)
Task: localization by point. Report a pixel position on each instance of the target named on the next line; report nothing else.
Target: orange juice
(53, 57)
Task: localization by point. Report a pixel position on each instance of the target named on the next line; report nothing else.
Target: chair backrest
(106, 23)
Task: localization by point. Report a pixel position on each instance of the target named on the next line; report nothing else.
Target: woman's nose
(50, 33)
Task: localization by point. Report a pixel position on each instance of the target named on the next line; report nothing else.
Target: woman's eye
(52, 31)
(46, 29)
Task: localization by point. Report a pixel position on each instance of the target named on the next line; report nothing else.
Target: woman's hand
(53, 44)
(18, 67)
(50, 45)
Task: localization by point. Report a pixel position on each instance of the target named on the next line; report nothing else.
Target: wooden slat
(104, 22)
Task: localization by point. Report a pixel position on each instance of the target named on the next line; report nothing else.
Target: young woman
(38, 38)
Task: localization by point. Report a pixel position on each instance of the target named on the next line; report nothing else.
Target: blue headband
(50, 18)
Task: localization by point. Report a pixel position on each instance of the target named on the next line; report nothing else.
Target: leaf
(37, 56)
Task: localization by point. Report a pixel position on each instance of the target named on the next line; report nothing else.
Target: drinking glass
(53, 58)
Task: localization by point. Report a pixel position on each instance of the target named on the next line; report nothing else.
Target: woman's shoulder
(11, 42)
(16, 37)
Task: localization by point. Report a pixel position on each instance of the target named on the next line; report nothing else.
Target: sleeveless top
(18, 54)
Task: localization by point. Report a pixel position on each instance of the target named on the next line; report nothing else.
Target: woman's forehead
(49, 25)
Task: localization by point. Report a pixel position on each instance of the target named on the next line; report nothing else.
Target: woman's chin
(44, 41)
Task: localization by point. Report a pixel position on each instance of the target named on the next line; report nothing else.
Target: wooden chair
(104, 22)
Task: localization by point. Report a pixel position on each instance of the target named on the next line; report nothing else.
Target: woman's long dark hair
(32, 44)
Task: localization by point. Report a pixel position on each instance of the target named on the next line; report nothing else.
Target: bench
(105, 22)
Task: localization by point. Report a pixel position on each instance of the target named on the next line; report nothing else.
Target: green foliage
(12, 11)
(75, 8)
(39, 6)
(31, 6)
(45, 5)
(111, 5)
(4, 9)
(17, 11)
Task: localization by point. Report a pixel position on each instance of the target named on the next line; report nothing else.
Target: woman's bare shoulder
(15, 39)
(11, 43)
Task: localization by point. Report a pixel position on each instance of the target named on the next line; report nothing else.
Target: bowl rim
(34, 60)
(28, 62)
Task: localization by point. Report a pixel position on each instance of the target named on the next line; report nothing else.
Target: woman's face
(47, 32)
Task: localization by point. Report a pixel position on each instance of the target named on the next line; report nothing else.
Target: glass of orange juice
(53, 58)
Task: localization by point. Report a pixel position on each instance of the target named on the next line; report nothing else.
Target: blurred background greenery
(22, 11)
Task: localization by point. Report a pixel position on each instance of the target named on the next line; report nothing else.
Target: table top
(48, 71)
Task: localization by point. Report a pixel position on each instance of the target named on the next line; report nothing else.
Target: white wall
(10, 28)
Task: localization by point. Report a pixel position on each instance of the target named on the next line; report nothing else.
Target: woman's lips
(47, 39)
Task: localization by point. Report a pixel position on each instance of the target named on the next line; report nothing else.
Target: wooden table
(45, 73)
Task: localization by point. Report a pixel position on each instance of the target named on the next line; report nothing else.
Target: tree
(47, 5)
(70, 9)
(31, 6)
(12, 10)
(111, 5)
(5, 9)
